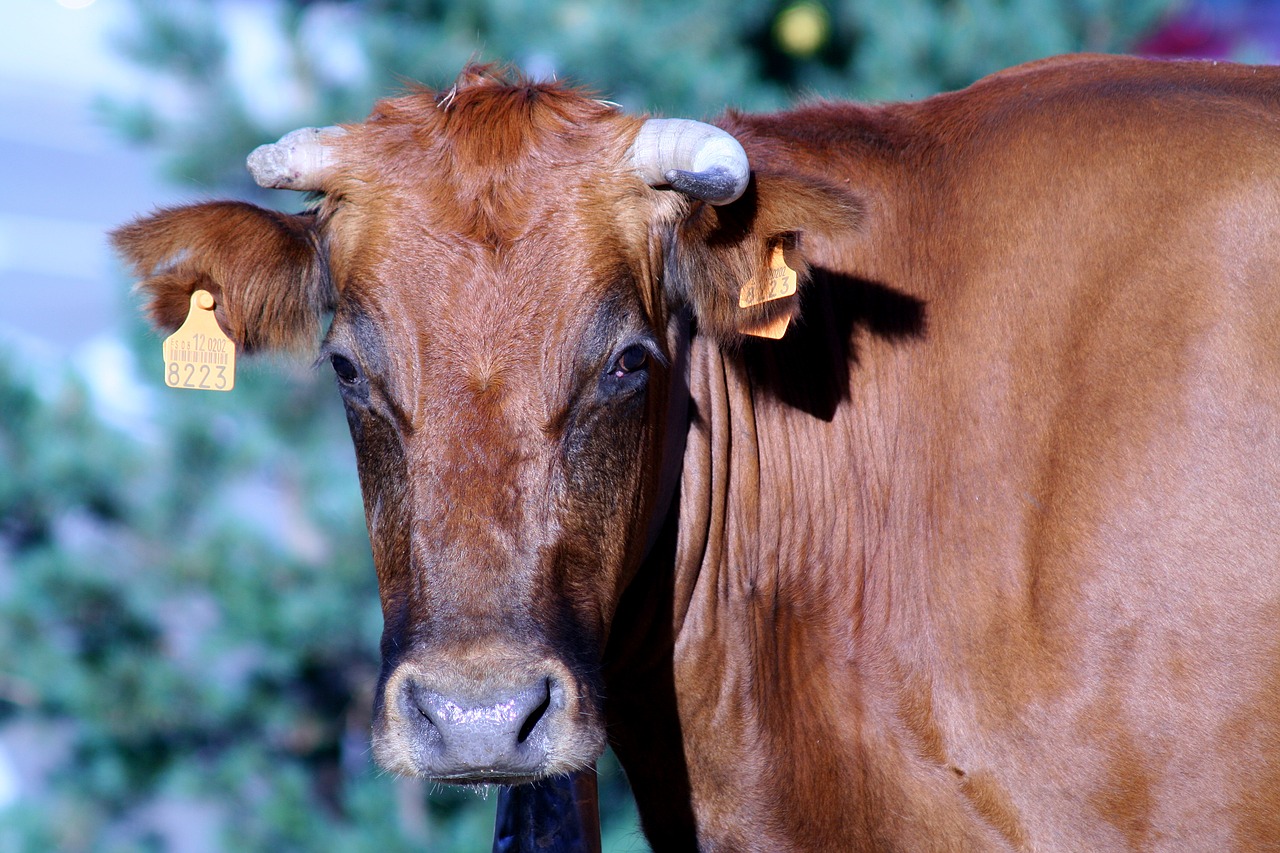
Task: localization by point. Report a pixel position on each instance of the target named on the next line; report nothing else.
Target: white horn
(299, 161)
(695, 158)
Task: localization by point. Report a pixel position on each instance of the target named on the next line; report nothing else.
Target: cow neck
(674, 431)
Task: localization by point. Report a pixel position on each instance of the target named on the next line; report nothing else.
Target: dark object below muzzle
(556, 815)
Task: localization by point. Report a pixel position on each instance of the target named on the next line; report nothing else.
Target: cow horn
(697, 159)
(299, 161)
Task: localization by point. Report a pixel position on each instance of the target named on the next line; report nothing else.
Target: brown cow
(983, 554)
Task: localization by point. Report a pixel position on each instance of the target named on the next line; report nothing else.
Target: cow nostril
(531, 722)
(426, 704)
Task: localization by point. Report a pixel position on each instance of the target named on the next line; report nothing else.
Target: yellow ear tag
(200, 355)
(779, 282)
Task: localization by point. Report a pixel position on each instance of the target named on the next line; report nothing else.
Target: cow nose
(499, 734)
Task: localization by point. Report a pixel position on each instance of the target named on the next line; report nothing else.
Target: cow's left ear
(265, 269)
(719, 251)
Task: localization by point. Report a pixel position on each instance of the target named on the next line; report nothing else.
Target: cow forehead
(459, 313)
(490, 163)
(508, 330)
(495, 200)
(508, 297)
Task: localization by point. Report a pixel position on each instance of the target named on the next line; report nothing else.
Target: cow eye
(628, 372)
(346, 371)
(631, 360)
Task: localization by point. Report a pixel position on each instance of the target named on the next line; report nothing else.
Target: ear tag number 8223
(200, 355)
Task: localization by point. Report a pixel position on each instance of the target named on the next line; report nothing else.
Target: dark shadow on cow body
(809, 368)
(640, 706)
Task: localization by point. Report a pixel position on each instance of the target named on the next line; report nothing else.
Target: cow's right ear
(720, 254)
(265, 269)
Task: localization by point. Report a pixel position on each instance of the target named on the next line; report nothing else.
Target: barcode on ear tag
(778, 282)
(200, 355)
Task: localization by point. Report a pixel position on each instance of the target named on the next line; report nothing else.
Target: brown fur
(263, 268)
(717, 250)
(981, 556)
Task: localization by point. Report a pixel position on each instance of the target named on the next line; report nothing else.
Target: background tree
(188, 613)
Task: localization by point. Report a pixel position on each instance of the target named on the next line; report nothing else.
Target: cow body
(984, 554)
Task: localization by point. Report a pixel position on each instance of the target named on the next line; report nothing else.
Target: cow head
(505, 264)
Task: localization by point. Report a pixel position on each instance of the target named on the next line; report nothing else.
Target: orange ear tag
(200, 355)
(780, 282)
(773, 329)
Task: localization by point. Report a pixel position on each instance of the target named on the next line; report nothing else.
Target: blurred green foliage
(188, 612)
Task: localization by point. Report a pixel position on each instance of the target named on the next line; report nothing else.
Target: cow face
(503, 264)
(503, 362)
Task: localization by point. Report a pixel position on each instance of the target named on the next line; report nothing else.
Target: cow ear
(265, 270)
(719, 250)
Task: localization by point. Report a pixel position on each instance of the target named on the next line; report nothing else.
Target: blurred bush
(188, 623)
(188, 612)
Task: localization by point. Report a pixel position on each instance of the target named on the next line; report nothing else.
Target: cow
(971, 542)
